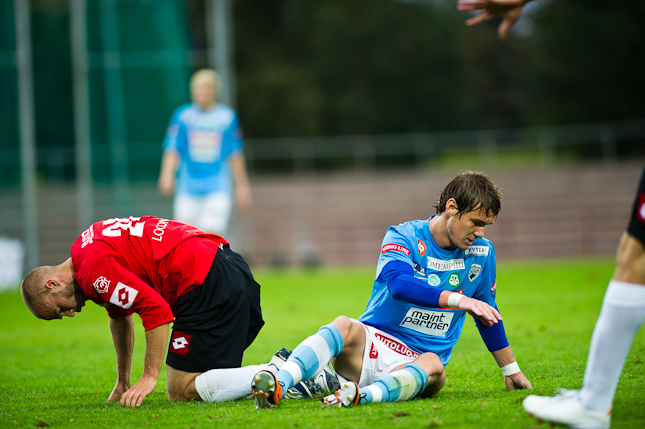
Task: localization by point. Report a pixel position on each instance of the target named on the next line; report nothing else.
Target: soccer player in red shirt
(164, 271)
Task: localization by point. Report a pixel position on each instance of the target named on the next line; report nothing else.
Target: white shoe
(346, 396)
(566, 410)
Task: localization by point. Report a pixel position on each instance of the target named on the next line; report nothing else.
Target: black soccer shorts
(636, 226)
(217, 321)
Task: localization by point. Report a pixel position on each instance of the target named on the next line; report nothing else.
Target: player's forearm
(238, 168)
(122, 330)
(156, 342)
(169, 163)
(503, 356)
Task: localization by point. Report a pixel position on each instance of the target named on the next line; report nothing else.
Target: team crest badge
(421, 246)
(475, 270)
(101, 284)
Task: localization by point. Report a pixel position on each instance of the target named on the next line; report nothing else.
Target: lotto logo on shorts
(396, 247)
(640, 209)
(179, 343)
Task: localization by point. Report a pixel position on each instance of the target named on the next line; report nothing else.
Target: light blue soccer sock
(310, 357)
(397, 386)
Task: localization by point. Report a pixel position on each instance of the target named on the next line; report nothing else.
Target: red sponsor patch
(398, 347)
(640, 208)
(373, 352)
(179, 343)
(493, 287)
(397, 247)
(421, 246)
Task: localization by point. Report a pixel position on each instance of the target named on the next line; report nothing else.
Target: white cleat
(346, 396)
(566, 410)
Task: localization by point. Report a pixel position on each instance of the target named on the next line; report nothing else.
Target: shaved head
(51, 292)
(33, 289)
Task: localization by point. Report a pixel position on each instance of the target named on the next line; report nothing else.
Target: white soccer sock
(227, 384)
(622, 314)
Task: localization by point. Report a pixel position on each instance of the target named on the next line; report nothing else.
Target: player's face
(203, 93)
(66, 302)
(465, 229)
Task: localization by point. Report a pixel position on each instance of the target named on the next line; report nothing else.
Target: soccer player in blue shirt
(429, 275)
(204, 142)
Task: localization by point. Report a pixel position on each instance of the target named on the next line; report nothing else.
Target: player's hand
(517, 381)
(135, 395)
(119, 389)
(508, 10)
(485, 313)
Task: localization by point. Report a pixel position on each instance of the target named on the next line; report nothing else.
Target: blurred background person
(203, 159)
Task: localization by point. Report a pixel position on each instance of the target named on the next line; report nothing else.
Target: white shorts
(383, 353)
(209, 212)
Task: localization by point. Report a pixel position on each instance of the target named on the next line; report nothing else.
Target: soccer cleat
(566, 410)
(280, 357)
(347, 396)
(325, 382)
(266, 390)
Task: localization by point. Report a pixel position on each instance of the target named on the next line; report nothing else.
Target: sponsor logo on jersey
(396, 346)
(441, 265)
(419, 269)
(123, 296)
(434, 280)
(421, 246)
(396, 247)
(179, 343)
(87, 236)
(493, 287)
(373, 352)
(454, 280)
(477, 251)
(429, 322)
(101, 284)
(473, 273)
(640, 212)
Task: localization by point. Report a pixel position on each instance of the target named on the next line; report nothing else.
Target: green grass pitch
(59, 373)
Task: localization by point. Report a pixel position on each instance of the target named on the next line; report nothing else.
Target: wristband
(510, 369)
(453, 299)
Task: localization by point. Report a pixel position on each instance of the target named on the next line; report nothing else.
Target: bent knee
(177, 394)
(343, 323)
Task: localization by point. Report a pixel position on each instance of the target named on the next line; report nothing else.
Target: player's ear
(51, 284)
(451, 207)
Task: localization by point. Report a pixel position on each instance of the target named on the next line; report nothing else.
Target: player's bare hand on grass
(508, 10)
(136, 394)
(479, 309)
(517, 381)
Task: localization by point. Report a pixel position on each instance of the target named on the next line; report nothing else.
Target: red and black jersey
(142, 265)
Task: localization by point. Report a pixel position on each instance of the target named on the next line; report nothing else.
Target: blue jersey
(471, 272)
(204, 139)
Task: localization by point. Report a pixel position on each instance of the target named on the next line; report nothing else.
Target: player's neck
(438, 226)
